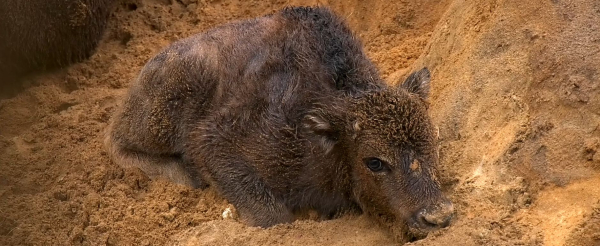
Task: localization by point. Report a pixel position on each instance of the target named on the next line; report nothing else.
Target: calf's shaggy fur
(285, 113)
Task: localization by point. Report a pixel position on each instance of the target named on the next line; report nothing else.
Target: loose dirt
(515, 95)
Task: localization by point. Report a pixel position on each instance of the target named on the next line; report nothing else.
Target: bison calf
(285, 113)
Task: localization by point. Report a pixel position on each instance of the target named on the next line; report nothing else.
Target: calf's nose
(437, 215)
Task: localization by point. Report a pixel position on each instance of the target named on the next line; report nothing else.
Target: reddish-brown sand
(515, 95)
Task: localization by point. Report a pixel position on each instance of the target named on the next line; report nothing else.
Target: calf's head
(387, 139)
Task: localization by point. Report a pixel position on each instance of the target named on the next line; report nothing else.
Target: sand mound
(515, 94)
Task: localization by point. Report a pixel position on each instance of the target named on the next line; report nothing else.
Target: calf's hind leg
(171, 167)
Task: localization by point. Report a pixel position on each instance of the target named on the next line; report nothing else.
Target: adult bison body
(281, 114)
(37, 35)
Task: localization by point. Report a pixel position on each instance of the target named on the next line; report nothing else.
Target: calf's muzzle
(435, 216)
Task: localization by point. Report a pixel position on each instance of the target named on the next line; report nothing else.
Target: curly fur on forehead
(397, 115)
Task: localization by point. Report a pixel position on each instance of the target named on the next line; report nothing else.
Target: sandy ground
(515, 94)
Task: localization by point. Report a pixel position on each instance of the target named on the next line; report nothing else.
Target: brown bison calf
(281, 114)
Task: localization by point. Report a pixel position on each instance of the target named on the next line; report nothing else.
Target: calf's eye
(375, 164)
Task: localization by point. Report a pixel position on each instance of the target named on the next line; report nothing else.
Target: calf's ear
(322, 130)
(418, 83)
